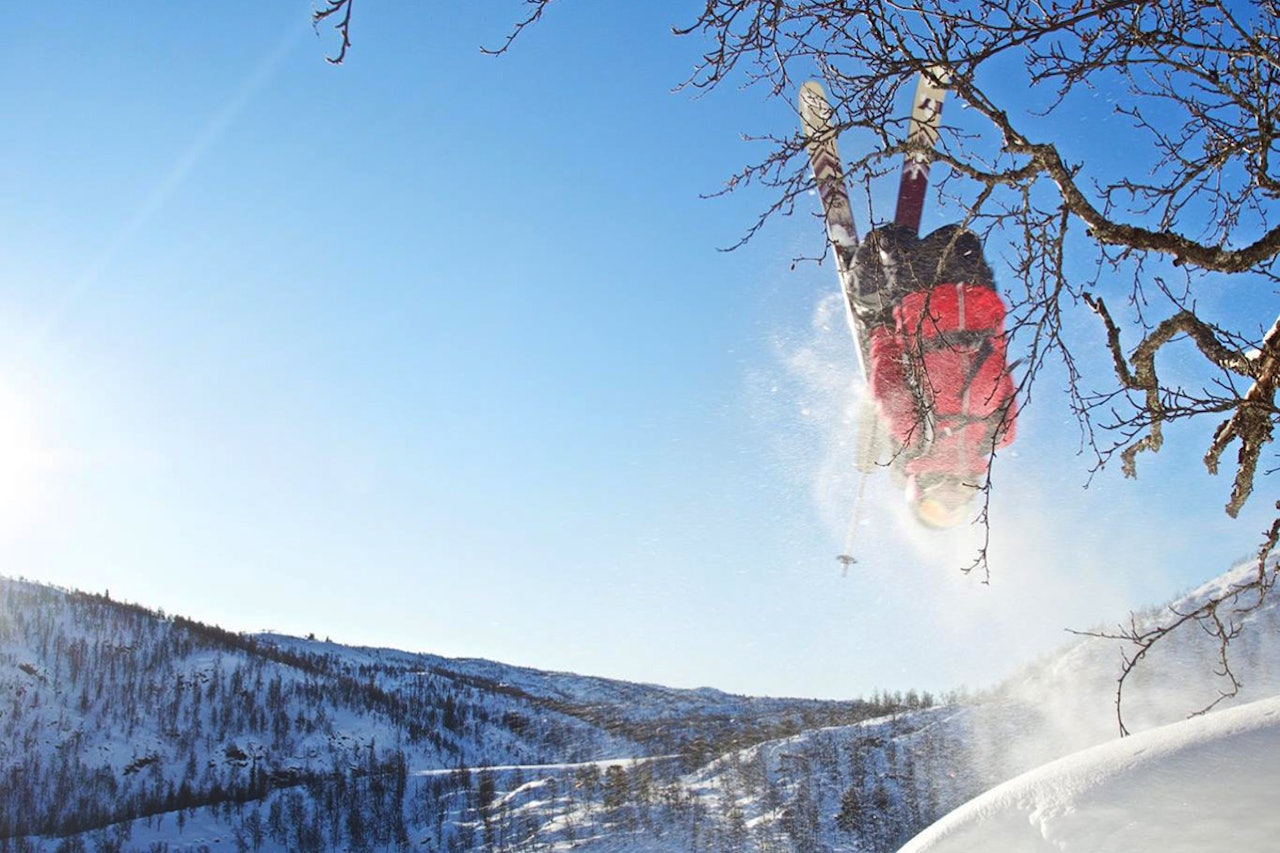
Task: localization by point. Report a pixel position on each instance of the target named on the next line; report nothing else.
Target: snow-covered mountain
(129, 730)
(110, 713)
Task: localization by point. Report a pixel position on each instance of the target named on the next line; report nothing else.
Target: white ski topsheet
(824, 157)
(820, 137)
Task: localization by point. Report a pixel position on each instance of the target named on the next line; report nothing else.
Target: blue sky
(437, 350)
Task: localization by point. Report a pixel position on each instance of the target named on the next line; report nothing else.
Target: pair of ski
(816, 118)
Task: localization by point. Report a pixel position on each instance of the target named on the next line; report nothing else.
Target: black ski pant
(893, 262)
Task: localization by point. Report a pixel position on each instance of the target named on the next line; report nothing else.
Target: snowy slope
(132, 730)
(1206, 783)
(872, 786)
(1066, 702)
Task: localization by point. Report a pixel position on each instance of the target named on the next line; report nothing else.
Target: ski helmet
(940, 501)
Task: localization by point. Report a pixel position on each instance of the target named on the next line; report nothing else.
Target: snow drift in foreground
(1206, 783)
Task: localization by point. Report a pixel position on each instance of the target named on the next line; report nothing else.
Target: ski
(842, 233)
(922, 136)
(828, 175)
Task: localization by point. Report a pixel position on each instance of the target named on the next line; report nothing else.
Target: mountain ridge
(162, 713)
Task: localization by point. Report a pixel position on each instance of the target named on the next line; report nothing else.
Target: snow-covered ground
(335, 747)
(1202, 784)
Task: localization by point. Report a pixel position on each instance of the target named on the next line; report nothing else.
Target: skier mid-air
(936, 363)
(929, 326)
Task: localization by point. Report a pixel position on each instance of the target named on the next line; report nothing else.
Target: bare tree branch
(342, 25)
(535, 8)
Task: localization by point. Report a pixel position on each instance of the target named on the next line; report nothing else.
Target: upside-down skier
(928, 322)
(937, 367)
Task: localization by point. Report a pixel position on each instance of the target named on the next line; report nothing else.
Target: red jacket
(945, 355)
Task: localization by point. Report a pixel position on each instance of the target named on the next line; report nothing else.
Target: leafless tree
(1192, 87)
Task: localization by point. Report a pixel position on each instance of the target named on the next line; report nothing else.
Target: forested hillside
(111, 712)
